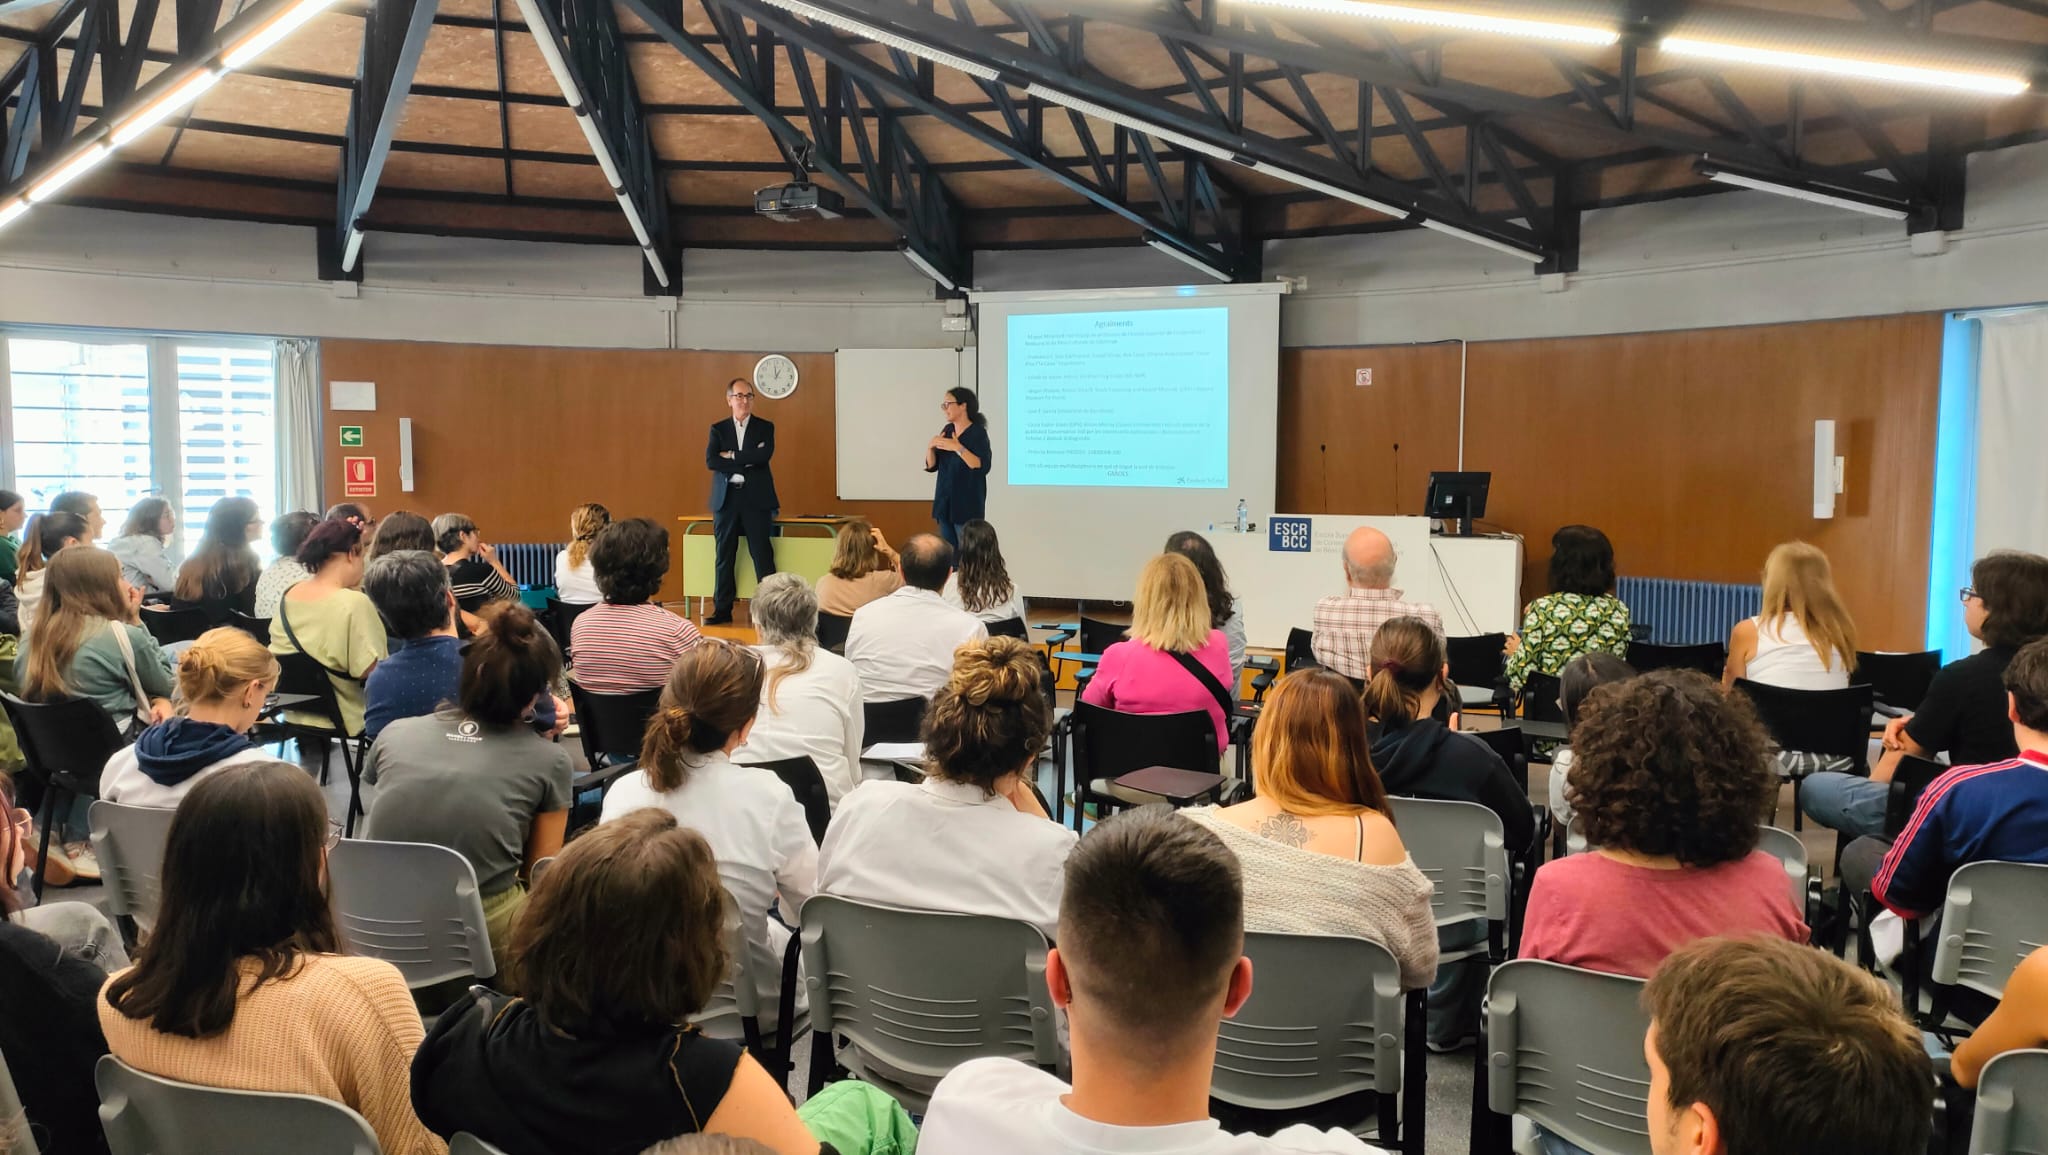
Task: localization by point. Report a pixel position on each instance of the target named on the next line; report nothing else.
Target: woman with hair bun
(476, 778)
(756, 829)
(223, 679)
(575, 581)
(971, 838)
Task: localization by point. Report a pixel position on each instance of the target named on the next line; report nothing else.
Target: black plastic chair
(1541, 694)
(900, 720)
(832, 631)
(1910, 778)
(1480, 660)
(1010, 628)
(1301, 653)
(612, 725)
(561, 615)
(182, 624)
(1831, 722)
(804, 781)
(66, 744)
(1709, 658)
(255, 627)
(1107, 744)
(301, 674)
(1096, 637)
(1901, 680)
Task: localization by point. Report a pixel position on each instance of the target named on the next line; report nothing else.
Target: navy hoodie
(170, 752)
(1424, 759)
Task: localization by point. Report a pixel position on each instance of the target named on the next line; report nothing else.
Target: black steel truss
(394, 35)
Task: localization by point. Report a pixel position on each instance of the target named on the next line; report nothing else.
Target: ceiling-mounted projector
(800, 201)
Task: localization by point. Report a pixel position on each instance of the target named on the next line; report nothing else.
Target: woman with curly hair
(1671, 777)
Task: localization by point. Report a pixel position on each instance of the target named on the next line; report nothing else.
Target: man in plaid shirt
(1344, 625)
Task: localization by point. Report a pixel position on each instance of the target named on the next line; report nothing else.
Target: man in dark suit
(742, 494)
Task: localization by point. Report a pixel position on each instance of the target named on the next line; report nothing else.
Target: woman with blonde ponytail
(756, 829)
(223, 679)
(575, 581)
(971, 838)
(810, 698)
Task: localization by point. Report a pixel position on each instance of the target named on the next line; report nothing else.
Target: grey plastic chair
(1785, 846)
(14, 1130)
(1327, 1020)
(734, 1010)
(1996, 915)
(146, 1115)
(465, 1143)
(2012, 1106)
(1462, 848)
(1564, 1047)
(412, 904)
(917, 993)
(129, 842)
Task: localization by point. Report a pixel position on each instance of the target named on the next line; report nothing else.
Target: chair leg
(354, 769)
(1415, 1077)
(822, 1062)
(51, 795)
(1798, 812)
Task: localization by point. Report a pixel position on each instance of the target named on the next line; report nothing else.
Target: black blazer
(750, 461)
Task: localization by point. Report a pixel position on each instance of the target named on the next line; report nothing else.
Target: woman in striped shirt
(626, 642)
(474, 572)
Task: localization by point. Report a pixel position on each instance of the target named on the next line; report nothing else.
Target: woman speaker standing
(960, 455)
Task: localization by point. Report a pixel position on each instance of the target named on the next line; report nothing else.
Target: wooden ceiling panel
(752, 230)
(166, 190)
(526, 72)
(546, 128)
(478, 10)
(731, 138)
(441, 120)
(504, 220)
(942, 144)
(735, 189)
(993, 190)
(1131, 55)
(462, 57)
(566, 181)
(330, 44)
(218, 152)
(663, 76)
(244, 99)
(471, 174)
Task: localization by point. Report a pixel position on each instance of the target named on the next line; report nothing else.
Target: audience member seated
(1965, 712)
(902, 645)
(711, 1145)
(1320, 854)
(476, 778)
(754, 825)
(13, 513)
(142, 543)
(243, 985)
(1671, 780)
(1579, 615)
(1803, 640)
(971, 838)
(87, 507)
(1419, 757)
(1175, 662)
(1731, 1019)
(53, 960)
(355, 513)
(474, 572)
(1580, 677)
(220, 576)
(863, 569)
(1150, 960)
(1344, 624)
(401, 529)
(90, 644)
(223, 679)
(981, 584)
(2019, 1023)
(287, 534)
(1225, 611)
(329, 619)
(424, 672)
(810, 699)
(626, 643)
(619, 947)
(574, 580)
(43, 536)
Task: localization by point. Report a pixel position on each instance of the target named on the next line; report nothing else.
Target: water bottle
(1243, 515)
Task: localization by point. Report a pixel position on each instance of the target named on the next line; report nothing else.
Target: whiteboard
(886, 411)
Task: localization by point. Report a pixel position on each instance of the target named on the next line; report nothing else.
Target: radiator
(1683, 613)
(532, 566)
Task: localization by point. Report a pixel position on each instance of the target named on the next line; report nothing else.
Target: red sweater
(1593, 912)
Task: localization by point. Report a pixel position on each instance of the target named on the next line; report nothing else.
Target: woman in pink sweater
(1671, 777)
(1170, 634)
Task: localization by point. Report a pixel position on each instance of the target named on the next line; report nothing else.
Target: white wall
(1737, 258)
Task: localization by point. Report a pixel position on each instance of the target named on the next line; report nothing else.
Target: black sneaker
(718, 620)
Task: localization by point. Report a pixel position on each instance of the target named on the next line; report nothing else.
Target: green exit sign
(351, 437)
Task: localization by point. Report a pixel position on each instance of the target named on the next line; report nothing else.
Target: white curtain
(298, 426)
(2012, 410)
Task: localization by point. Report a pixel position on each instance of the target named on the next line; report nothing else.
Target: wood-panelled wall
(516, 436)
(1693, 450)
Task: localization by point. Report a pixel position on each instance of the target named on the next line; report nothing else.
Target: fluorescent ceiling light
(886, 38)
(1996, 84)
(924, 266)
(264, 38)
(1184, 257)
(164, 107)
(1101, 112)
(353, 250)
(1483, 239)
(1461, 21)
(76, 167)
(1804, 193)
(633, 219)
(654, 262)
(599, 149)
(1342, 194)
(12, 212)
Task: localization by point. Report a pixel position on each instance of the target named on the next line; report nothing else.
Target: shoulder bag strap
(1209, 683)
(142, 714)
(286, 618)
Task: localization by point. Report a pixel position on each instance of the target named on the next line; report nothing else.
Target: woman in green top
(331, 620)
(1580, 614)
(13, 511)
(76, 651)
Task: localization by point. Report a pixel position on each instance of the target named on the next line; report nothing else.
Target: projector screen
(1118, 417)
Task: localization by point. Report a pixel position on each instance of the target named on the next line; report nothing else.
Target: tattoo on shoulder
(1285, 828)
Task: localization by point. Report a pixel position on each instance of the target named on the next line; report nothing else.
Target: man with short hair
(1345, 624)
(743, 497)
(1759, 1046)
(410, 589)
(902, 645)
(1151, 959)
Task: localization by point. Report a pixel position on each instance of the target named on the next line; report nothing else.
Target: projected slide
(1129, 398)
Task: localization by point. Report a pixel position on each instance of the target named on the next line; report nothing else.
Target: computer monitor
(1458, 498)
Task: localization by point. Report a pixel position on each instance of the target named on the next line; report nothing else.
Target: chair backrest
(561, 615)
(129, 842)
(1009, 628)
(143, 1114)
(465, 1143)
(1835, 722)
(1462, 848)
(738, 997)
(301, 674)
(180, 624)
(1709, 658)
(1996, 915)
(1564, 1047)
(832, 631)
(612, 723)
(1301, 651)
(1097, 636)
(1901, 680)
(1325, 1020)
(808, 785)
(255, 627)
(412, 904)
(1910, 778)
(1785, 846)
(2012, 1105)
(918, 993)
(1542, 696)
(1476, 660)
(899, 720)
(1109, 743)
(1505, 741)
(72, 737)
